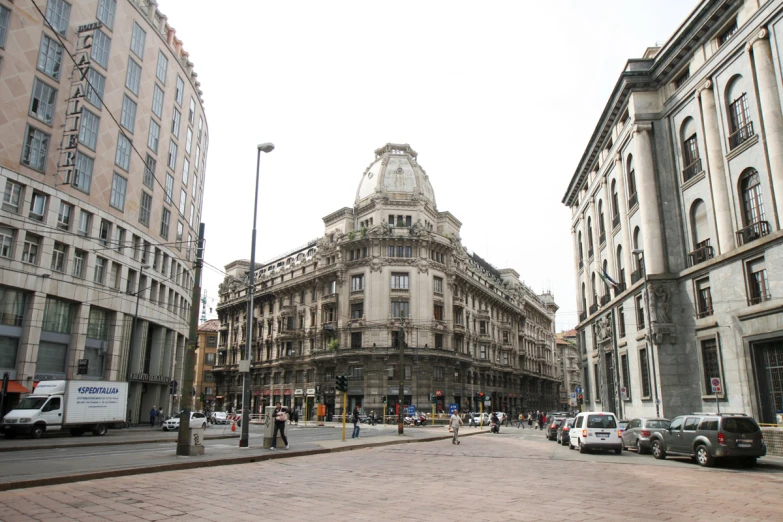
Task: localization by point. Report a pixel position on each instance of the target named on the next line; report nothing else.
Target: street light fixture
(245, 367)
(640, 252)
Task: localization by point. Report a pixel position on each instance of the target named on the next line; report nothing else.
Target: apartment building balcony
(593, 308)
(636, 275)
(619, 288)
(741, 135)
(458, 301)
(691, 170)
(329, 298)
(459, 328)
(505, 325)
(702, 253)
(482, 315)
(753, 232)
(582, 316)
(605, 299)
(288, 310)
(485, 337)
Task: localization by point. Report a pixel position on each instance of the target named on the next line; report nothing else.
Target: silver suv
(709, 436)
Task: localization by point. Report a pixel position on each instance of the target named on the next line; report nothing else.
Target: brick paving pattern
(484, 478)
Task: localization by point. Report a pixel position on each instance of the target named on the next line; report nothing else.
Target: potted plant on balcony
(333, 344)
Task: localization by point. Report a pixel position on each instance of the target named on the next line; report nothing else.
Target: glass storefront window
(51, 358)
(98, 327)
(8, 349)
(95, 366)
(57, 316)
(11, 307)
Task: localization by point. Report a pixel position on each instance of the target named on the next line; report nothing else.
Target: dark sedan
(551, 427)
(564, 431)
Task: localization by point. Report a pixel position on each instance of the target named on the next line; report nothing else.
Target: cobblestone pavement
(486, 477)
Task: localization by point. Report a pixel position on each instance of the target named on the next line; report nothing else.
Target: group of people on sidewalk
(539, 417)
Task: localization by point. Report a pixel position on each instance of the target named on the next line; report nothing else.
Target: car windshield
(570, 422)
(601, 421)
(739, 425)
(658, 424)
(623, 424)
(31, 403)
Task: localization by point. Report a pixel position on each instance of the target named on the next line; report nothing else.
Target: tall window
(5, 15)
(626, 375)
(95, 86)
(172, 161)
(164, 223)
(180, 88)
(639, 312)
(106, 9)
(632, 198)
(690, 156)
(175, 119)
(64, 216)
(42, 101)
(615, 205)
(752, 203)
(145, 208)
(399, 281)
(758, 284)
(12, 197)
(128, 116)
(169, 197)
(138, 38)
(50, 56)
(601, 228)
(6, 243)
(621, 322)
(590, 250)
(620, 267)
(149, 171)
(438, 284)
(163, 65)
(122, 158)
(581, 251)
(36, 146)
(740, 126)
(703, 297)
(32, 244)
(399, 309)
(644, 369)
(88, 130)
(82, 173)
(357, 283)
(357, 310)
(58, 14)
(118, 186)
(101, 47)
(438, 312)
(727, 33)
(710, 361)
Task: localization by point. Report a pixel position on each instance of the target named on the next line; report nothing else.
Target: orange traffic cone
(233, 426)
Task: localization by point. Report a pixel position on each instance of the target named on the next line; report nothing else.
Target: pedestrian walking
(530, 420)
(159, 417)
(355, 420)
(508, 420)
(455, 421)
(521, 424)
(153, 416)
(280, 415)
(295, 417)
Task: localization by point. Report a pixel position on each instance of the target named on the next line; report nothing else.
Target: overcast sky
(498, 98)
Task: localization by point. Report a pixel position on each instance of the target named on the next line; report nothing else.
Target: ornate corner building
(335, 306)
(677, 208)
(103, 145)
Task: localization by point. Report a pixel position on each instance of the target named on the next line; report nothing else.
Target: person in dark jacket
(153, 416)
(280, 416)
(493, 419)
(355, 420)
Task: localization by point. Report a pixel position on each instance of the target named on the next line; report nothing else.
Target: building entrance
(769, 376)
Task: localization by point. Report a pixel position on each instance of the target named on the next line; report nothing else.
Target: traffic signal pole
(345, 413)
(401, 397)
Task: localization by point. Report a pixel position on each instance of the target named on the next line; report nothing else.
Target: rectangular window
(38, 206)
(42, 101)
(180, 230)
(106, 9)
(682, 78)
(183, 196)
(439, 343)
(163, 65)
(175, 119)
(192, 110)
(483, 351)
(31, 245)
(188, 140)
(149, 171)
(357, 283)
(88, 130)
(128, 117)
(84, 223)
(133, 76)
(36, 147)
(191, 215)
(727, 33)
(165, 221)
(179, 90)
(626, 376)
(644, 369)
(157, 101)
(64, 216)
(154, 136)
(703, 298)
(399, 281)
(740, 126)
(356, 339)
(12, 196)
(400, 309)
(118, 186)
(101, 47)
(185, 170)
(58, 14)
(104, 232)
(6, 243)
(438, 285)
(621, 322)
(138, 37)
(357, 310)
(169, 198)
(438, 312)
(119, 238)
(639, 312)
(100, 270)
(145, 208)
(172, 160)
(710, 361)
(95, 87)
(50, 56)
(758, 284)
(5, 17)
(78, 263)
(82, 177)
(122, 157)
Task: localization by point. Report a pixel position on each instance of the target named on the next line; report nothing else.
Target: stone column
(27, 354)
(772, 117)
(716, 170)
(585, 250)
(78, 340)
(648, 199)
(608, 226)
(622, 202)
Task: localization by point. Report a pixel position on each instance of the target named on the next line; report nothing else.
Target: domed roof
(396, 174)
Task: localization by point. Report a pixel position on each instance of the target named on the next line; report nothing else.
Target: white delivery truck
(78, 406)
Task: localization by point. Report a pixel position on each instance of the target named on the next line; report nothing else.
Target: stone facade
(568, 368)
(336, 306)
(678, 199)
(206, 357)
(92, 158)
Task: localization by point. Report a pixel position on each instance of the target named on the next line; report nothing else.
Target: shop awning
(219, 397)
(15, 387)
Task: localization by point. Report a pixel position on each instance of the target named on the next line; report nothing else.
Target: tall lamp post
(245, 366)
(133, 329)
(640, 252)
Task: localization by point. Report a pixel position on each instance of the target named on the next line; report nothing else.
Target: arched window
(584, 297)
(606, 271)
(632, 198)
(637, 240)
(620, 268)
(699, 224)
(615, 206)
(594, 289)
(601, 228)
(581, 252)
(690, 150)
(589, 237)
(740, 125)
(752, 204)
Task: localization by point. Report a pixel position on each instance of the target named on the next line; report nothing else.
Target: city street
(517, 475)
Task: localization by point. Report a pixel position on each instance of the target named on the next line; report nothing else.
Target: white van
(596, 430)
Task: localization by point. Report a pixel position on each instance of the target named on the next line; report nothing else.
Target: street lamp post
(245, 367)
(133, 327)
(640, 252)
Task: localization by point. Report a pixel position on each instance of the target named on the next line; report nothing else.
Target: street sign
(453, 408)
(84, 366)
(573, 396)
(487, 402)
(716, 385)
(578, 389)
(411, 410)
(624, 392)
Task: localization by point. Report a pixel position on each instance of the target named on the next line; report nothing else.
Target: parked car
(595, 430)
(219, 417)
(564, 430)
(551, 427)
(706, 437)
(622, 424)
(638, 431)
(476, 417)
(197, 420)
(501, 416)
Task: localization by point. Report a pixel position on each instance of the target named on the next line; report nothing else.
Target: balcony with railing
(691, 170)
(615, 221)
(636, 275)
(590, 253)
(605, 299)
(753, 232)
(593, 308)
(633, 200)
(329, 298)
(581, 264)
(619, 288)
(582, 316)
(702, 253)
(602, 238)
(741, 135)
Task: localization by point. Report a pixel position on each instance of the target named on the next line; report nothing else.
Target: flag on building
(606, 279)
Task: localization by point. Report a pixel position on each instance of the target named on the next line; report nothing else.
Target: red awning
(15, 387)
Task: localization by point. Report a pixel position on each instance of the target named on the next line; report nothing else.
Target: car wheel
(100, 430)
(703, 456)
(582, 448)
(748, 462)
(639, 449)
(657, 450)
(37, 432)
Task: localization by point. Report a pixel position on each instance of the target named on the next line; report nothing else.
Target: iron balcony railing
(700, 255)
(593, 308)
(637, 275)
(615, 220)
(582, 317)
(752, 232)
(605, 299)
(691, 170)
(633, 200)
(590, 253)
(740, 135)
(602, 238)
(619, 289)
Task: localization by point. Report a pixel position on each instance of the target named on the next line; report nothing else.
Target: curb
(4, 449)
(53, 481)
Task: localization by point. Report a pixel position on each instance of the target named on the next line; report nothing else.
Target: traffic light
(203, 397)
(580, 400)
(341, 383)
(481, 395)
(383, 399)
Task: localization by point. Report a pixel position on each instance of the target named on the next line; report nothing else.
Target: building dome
(396, 174)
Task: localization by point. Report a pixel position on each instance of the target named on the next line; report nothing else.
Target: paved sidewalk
(414, 482)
